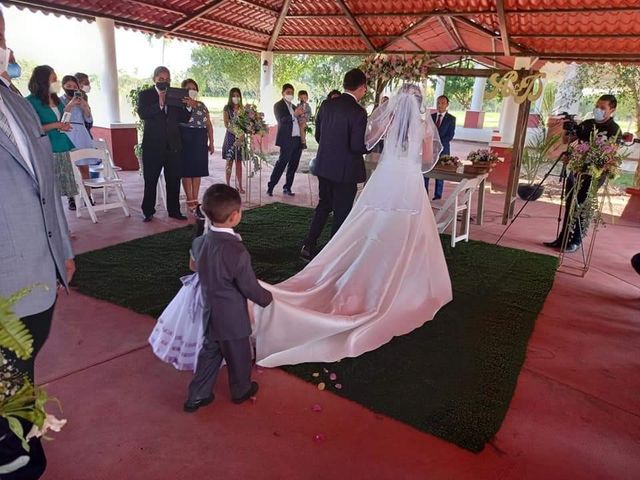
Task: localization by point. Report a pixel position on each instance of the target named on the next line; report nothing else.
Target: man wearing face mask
(85, 88)
(161, 144)
(603, 124)
(9, 70)
(288, 139)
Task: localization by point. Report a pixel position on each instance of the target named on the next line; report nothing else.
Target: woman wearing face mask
(197, 144)
(230, 151)
(44, 87)
(77, 106)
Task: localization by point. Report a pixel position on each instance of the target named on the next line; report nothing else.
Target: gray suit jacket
(34, 237)
(227, 281)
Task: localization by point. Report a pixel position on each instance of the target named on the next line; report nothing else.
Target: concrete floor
(575, 413)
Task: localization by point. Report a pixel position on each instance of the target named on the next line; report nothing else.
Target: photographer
(603, 124)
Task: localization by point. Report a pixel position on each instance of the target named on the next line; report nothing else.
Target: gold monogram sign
(521, 89)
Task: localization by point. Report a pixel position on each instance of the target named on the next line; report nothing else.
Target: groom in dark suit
(339, 166)
(288, 139)
(446, 124)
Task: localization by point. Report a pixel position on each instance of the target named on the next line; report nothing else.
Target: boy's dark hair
(220, 201)
(82, 77)
(445, 97)
(286, 86)
(613, 101)
(332, 93)
(302, 92)
(188, 81)
(354, 79)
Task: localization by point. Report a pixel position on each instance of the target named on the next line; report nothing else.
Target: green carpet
(454, 377)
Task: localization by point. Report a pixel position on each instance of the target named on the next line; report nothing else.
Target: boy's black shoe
(287, 191)
(72, 204)
(252, 391)
(270, 192)
(191, 406)
(555, 244)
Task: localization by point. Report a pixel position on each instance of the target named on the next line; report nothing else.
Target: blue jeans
(439, 187)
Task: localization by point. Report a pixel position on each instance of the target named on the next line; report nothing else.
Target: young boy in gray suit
(227, 280)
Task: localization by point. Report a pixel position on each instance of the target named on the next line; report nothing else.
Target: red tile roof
(489, 30)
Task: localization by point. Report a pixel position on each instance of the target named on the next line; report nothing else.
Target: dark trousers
(439, 187)
(10, 447)
(580, 192)
(237, 354)
(333, 197)
(152, 167)
(290, 159)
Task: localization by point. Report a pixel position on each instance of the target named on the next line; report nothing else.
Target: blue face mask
(14, 70)
(599, 114)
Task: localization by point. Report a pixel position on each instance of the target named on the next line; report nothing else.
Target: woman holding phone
(44, 87)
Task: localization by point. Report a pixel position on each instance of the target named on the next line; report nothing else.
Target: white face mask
(54, 87)
(4, 59)
(193, 94)
(288, 98)
(86, 88)
(235, 100)
(599, 114)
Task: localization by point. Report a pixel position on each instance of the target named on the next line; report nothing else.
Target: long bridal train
(383, 274)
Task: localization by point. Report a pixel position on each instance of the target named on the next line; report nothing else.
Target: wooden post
(516, 158)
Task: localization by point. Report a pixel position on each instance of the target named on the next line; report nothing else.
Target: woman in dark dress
(197, 144)
(230, 151)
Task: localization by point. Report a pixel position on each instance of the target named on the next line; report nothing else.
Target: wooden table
(458, 177)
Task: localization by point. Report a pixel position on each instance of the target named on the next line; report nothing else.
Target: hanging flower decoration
(381, 69)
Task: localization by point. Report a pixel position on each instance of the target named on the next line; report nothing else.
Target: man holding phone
(161, 143)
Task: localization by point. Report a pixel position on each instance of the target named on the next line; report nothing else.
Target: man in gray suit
(34, 240)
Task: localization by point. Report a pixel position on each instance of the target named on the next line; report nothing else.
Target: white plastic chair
(103, 182)
(161, 190)
(459, 202)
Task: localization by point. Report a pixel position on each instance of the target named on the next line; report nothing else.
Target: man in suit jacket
(34, 243)
(288, 139)
(161, 143)
(339, 166)
(446, 124)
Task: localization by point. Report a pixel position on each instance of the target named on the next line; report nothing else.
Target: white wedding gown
(383, 274)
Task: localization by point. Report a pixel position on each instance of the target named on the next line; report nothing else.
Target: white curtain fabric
(383, 274)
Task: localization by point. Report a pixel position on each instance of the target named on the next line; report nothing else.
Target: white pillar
(568, 100)
(509, 114)
(266, 86)
(478, 94)
(439, 90)
(109, 78)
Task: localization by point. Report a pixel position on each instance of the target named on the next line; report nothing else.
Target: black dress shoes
(191, 406)
(270, 192)
(557, 243)
(306, 253)
(436, 198)
(147, 218)
(177, 216)
(572, 248)
(252, 391)
(287, 191)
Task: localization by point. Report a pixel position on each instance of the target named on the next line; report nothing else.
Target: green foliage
(14, 335)
(536, 153)
(132, 97)
(460, 90)
(217, 70)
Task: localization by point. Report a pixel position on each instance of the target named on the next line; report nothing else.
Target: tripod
(563, 176)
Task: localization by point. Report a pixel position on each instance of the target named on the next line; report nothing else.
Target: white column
(266, 86)
(478, 94)
(109, 77)
(509, 114)
(567, 100)
(439, 90)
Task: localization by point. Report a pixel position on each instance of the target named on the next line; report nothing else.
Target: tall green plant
(133, 97)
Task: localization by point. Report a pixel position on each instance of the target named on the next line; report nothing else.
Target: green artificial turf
(454, 377)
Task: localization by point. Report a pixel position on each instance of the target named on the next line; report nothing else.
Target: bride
(383, 274)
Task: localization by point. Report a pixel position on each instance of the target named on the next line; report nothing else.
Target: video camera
(569, 123)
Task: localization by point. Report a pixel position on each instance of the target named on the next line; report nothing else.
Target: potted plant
(482, 161)
(133, 100)
(448, 163)
(535, 155)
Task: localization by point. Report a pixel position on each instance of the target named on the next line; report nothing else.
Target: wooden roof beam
(196, 15)
(407, 32)
(356, 25)
(502, 21)
(279, 23)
